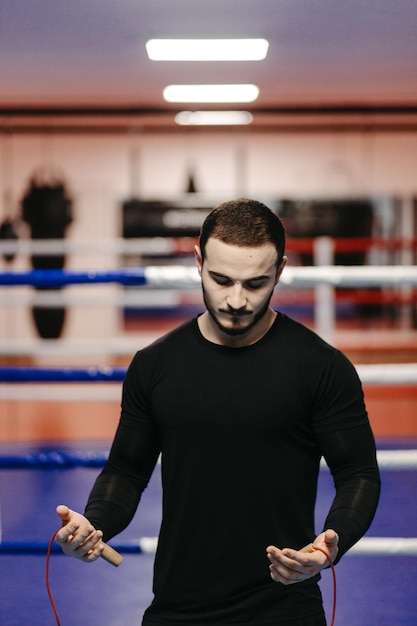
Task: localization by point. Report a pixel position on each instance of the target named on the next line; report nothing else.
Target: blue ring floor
(372, 590)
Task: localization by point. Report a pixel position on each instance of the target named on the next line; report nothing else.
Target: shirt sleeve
(351, 456)
(117, 491)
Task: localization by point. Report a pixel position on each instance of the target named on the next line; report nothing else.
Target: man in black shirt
(241, 403)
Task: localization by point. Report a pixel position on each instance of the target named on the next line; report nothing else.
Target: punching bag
(47, 209)
(8, 232)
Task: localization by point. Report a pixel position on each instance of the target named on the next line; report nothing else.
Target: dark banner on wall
(161, 219)
(342, 218)
(303, 218)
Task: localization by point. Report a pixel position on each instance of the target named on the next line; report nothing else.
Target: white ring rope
(333, 275)
(63, 348)
(139, 297)
(58, 392)
(116, 246)
(351, 276)
(397, 459)
(371, 546)
(387, 374)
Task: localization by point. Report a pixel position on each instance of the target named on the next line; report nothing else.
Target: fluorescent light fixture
(207, 49)
(211, 93)
(213, 118)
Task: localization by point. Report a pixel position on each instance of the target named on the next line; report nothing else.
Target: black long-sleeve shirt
(241, 432)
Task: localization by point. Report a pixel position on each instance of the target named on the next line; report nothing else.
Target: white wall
(103, 170)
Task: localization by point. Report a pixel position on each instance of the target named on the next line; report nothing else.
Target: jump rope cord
(48, 588)
(334, 581)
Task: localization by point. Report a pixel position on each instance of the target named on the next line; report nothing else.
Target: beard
(236, 331)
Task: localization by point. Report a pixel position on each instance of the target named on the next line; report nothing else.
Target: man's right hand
(77, 537)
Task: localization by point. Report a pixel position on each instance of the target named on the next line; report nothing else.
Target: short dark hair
(244, 222)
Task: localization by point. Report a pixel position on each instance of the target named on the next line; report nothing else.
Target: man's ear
(198, 258)
(280, 268)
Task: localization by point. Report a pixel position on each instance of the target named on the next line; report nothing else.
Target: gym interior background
(332, 148)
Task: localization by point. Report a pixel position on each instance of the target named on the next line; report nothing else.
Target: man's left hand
(288, 566)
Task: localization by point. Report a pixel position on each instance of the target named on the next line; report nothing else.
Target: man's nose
(236, 298)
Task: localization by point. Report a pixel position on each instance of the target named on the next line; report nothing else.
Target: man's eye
(221, 280)
(253, 285)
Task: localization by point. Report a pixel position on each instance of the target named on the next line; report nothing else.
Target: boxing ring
(35, 478)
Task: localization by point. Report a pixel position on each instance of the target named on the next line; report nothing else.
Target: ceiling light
(207, 49)
(213, 118)
(211, 93)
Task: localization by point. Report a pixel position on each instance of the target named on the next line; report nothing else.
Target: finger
(67, 533)
(285, 576)
(327, 544)
(85, 536)
(274, 554)
(331, 538)
(68, 527)
(64, 512)
(331, 535)
(274, 574)
(292, 559)
(74, 534)
(91, 543)
(81, 545)
(277, 556)
(93, 550)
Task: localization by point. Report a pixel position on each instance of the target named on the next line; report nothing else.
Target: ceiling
(74, 62)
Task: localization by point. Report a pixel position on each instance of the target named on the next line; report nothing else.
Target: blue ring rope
(61, 278)
(37, 547)
(53, 460)
(61, 375)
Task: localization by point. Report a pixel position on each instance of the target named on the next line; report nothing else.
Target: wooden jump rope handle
(111, 555)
